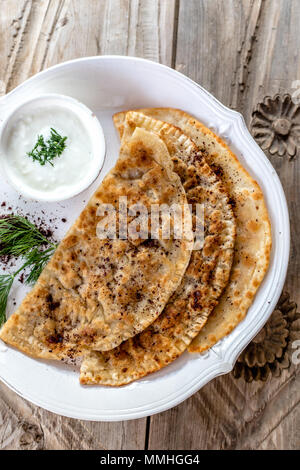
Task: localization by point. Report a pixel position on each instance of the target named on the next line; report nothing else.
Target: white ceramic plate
(106, 85)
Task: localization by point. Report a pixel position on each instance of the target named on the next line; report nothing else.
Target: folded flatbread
(96, 293)
(253, 242)
(207, 274)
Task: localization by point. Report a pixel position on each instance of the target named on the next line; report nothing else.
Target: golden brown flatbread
(207, 274)
(253, 242)
(96, 293)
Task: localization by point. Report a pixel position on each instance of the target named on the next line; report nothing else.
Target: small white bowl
(92, 127)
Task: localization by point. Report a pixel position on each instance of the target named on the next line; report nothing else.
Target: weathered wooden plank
(214, 40)
(35, 34)
(241, 52)
(286, 435)
(25, 426)
(231, 414)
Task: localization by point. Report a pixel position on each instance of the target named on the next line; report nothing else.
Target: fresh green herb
(18, 236)
(37, 260)
(6, 281)
(45, 152)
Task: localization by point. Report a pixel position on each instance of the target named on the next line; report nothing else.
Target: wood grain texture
(240, 51)
(26, 426)
(35, 34)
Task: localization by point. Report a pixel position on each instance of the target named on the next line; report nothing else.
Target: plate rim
(225, 363)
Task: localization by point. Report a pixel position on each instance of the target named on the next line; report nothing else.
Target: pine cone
(270, 351)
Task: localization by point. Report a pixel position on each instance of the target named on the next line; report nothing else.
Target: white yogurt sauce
(68, 169)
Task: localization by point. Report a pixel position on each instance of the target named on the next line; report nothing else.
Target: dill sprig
(6, 281)
(19, 237)
(36, 260)
(45, 152)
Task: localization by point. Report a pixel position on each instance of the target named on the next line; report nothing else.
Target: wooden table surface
(241, 51)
